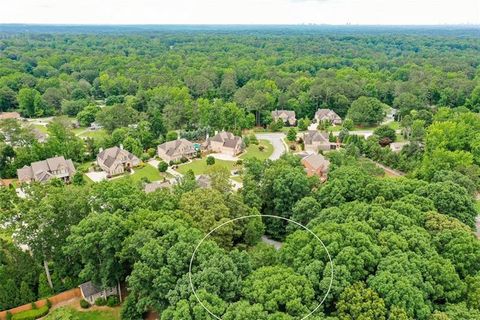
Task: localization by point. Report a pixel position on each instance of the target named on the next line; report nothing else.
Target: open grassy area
(199, 166)
(96, 134)
(103, 314)
(253, 151)
(148, 172)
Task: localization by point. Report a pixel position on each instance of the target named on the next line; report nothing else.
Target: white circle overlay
(256, 216)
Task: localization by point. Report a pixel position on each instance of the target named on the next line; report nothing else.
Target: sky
(378, 12)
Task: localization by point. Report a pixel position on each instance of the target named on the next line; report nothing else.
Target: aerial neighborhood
(239, 172)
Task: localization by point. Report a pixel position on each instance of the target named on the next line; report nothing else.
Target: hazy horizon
(246, 12)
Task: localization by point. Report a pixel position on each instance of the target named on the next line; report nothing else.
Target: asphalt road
(276, 139)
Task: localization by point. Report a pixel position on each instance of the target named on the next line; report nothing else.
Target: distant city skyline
(364, 12)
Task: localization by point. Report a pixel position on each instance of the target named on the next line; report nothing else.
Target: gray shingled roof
(89, 289)
(204, 181)
(154, 186)
(315, 136)
(316, 161)
(171, 147)
(42, 170)
(109, 157)
(327, 113)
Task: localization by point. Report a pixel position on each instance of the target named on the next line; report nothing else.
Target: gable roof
(177, 146)
(327, 114)
(89, 289)
(315, 136)
(111, 157)
(229, 139)
(45, 169)
(204, 181)
(316, 161)
(154, 186)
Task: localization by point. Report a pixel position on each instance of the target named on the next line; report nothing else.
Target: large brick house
(316, 164)
(42, 171)
(175, 150)
(115, 161)
(315, 141)
(287, 116)
(225, 142)
(327, 115)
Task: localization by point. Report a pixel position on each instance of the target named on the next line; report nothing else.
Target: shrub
(151, 152)
(172, 135)
(48, 303)
(293, 147)
(34, 306)
(261, 148)
(210, 161)
(84, 304)
(145, 156)
(162, 166)
(31, 314)
(100, 301)
(303, 124)
(246, 141)
(183, 160)
(9, 315)
(292, 134)
(253, 139)
(239, 162)
(113, 301)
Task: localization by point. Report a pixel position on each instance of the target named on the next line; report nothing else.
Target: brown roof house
(315, 141)
(115, 161)
(42, 171)
(316, 164)
(329, 115)
(225, 142)
(287, 116)
(204, 181)
(156, 185)
(91, 292)
(175, 150)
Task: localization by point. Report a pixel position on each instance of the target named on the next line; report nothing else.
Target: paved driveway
(97, 176)
(276, 139)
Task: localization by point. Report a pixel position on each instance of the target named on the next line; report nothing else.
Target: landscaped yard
(148, 172)
(96, 134)
(199, 166)
(253, 151)
(103, 314)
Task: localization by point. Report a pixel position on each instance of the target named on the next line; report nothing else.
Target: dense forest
(402, 248)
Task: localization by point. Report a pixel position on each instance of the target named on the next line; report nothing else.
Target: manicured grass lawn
(199, 166)
(253, 152)
(95, 134)
(148, 172)
(99, 315)
(104, 314)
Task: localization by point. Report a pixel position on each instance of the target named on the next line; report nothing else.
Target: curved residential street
(276, 139)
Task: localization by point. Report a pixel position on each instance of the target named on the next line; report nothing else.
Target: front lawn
(103, 314)
(253, 151)
(199, 166)
(149, 172)
(95, 134)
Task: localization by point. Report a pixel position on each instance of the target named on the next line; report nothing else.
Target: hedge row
(31, 314)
